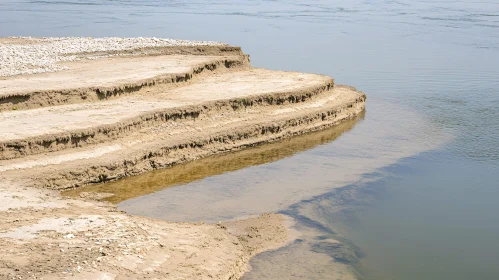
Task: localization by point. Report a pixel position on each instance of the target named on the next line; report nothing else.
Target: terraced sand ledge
(83, 110)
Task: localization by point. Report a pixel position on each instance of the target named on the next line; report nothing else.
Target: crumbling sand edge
(44, 98)
(84, 137)
(45, 235)
(174, 50)
(191, 148)
(42, 55)
(129, 247)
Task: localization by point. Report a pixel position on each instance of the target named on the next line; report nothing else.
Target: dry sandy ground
(45, 236)
(106, 118)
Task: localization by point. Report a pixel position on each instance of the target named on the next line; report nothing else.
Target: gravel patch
(40, 55)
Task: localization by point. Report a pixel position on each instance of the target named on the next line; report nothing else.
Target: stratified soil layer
(118, 113)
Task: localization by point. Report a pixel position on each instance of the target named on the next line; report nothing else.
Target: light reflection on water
(276, 185)
(429, 69)
(185, 173)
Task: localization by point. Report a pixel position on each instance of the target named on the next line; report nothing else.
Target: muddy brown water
(410, 191)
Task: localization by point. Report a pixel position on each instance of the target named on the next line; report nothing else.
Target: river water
(409, 190)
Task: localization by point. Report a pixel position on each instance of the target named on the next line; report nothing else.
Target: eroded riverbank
(319, 177)
(323, 191)
(437, 58)
(193, 104)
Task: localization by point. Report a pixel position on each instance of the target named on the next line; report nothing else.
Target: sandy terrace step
(69, 126)
(91, 80)
(174, 142)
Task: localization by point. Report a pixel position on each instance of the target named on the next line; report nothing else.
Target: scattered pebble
(44, 54)
(69, 236)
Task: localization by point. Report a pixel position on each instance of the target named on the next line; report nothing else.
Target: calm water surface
(410, 190)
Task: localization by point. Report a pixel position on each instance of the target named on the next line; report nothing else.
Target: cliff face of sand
(76, 111)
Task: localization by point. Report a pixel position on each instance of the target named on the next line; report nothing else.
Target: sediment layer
(26, 55)
(63, 127)
(108, 114)
(101, 79)
(186, 139)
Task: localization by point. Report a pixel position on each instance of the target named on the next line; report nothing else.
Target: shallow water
(188, 172)
(275, 186)
(410, 191)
